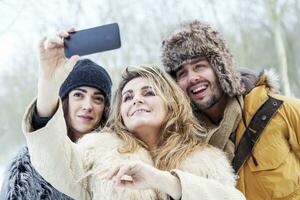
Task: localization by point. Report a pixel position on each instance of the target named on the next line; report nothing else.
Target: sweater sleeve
(195, 187)
(208, 175)
(37, 121)
(55, 156)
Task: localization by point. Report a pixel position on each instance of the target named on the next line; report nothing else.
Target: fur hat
(196, 39)
(87, 73)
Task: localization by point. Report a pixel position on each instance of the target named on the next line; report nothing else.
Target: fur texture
(23, 182)
(83, 165)
(101, 157)
(270, 79)
(197, 39)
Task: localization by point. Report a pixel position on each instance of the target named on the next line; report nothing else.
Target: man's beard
(213, 100)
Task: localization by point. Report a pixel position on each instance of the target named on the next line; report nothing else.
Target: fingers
(65, 34)
(71, 63)
(126, 183)
(122, 173)
(72, 29)
(73, 60)
(124, 170)
(41, 44)
(54, 42)
(112, 173)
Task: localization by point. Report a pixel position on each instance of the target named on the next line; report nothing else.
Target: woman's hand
(54, 66)
(53, 70)
(138, 175)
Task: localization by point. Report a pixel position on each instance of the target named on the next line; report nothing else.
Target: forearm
(195, 187)
(169, 184)
(47, 98)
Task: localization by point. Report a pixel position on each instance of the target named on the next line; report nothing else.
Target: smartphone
(92, 40)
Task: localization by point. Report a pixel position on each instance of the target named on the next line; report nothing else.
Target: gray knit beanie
(87, 73)
(196, 39)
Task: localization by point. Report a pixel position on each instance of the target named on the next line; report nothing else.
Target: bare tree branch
(15, 18)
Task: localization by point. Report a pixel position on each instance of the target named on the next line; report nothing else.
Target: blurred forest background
(261, 34)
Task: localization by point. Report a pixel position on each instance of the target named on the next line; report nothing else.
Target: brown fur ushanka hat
(196, 39)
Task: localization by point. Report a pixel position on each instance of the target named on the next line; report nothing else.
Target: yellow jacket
(277, 151)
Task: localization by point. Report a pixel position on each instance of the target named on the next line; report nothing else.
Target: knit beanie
(87, 73)
(196, 39)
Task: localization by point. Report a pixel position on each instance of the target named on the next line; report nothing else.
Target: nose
(193, 77)
(138, 99)
(87, 104)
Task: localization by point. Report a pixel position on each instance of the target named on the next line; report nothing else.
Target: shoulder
(270, 80)
(101, 152)
(267, 82)
(99, 147)
(99, 140)
(249, 79)
(288, 101)
(289, 109)
(267, 86)
(206, 153)
(210, 162)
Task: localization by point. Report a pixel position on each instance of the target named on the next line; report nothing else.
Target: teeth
(203, 87)
(140, 110)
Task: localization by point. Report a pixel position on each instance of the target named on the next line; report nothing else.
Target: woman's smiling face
(141, 106)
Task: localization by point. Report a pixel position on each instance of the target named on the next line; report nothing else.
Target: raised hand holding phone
(59, 54)
(54, 67)
(92, 40)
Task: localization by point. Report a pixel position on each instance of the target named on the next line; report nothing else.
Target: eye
(77, 95)
(99, 99)
(180, 74)
(127, 97)
(199, 67)
(149, 93)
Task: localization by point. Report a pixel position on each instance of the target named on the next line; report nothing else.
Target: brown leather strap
(253, 131)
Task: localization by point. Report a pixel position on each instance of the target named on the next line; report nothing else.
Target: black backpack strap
(253, 131)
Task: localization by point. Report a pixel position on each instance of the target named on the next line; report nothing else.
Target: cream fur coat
(78, 169)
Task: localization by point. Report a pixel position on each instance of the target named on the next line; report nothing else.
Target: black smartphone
(92, 40)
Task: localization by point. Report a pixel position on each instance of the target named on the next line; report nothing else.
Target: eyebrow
(131, 91)
(84, 91)
(194, 61)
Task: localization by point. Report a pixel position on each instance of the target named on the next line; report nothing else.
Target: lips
(140, 110)
(86, 117)
(199, 89)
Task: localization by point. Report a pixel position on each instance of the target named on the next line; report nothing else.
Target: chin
(85, 130)
(137, 126)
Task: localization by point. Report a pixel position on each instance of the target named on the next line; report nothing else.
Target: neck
(215, 113)
(150, 137)
(74, 135)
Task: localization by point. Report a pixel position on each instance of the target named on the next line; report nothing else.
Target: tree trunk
(279, 44)
(282, 58)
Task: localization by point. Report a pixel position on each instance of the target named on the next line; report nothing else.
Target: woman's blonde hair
(180, 134)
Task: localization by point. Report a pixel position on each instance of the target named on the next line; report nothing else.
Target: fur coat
(78, 169)
(23, 182)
